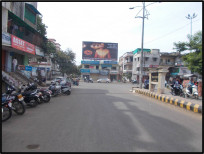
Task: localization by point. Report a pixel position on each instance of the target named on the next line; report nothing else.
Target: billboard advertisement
(99, 50)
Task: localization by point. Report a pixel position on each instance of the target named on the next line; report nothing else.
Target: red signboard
(22, 45)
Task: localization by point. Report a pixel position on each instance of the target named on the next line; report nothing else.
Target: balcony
(166, 63)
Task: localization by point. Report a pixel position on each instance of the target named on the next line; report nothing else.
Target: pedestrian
(15, 62)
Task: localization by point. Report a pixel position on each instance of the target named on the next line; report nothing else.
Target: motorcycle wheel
(41, 100)
(46, 98)
(19, 107)
(68, 92)
(7, 113)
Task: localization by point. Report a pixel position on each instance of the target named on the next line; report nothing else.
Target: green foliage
(192, 60)
(180, 47)
(41, 27)
(66, 61)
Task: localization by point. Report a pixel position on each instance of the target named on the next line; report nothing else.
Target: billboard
(99, 50)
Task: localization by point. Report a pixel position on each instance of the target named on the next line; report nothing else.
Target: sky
(71, 23)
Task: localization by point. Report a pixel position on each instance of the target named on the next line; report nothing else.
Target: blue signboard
(110, 62)
(90, 62)
(85, 70)
(28, 68)
(94, 71)
(103, 65)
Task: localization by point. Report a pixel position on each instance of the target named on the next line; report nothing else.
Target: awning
(20, 22)
(33, 8)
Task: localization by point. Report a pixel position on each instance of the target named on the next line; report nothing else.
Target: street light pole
(191, 17)
(141, 58)
(144, 16)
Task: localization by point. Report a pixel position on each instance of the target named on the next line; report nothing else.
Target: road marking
(188, 106)
(196, 108)
(181, 103)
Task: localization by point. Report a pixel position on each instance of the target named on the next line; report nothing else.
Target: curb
(180, 103)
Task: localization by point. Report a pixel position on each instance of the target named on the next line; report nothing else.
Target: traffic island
(166, 99)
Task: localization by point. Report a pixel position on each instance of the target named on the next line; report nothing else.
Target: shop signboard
(38, 51)
(6, 39)
(34, 71)
(114, 72)
(110, 62)
(20, 44)
(85, 70)
(21, 67)
(94, 71)
(90, 62)
(104, 72)
(99, 50)
(28, 68)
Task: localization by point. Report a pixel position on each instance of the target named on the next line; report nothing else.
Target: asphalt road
(100, 117)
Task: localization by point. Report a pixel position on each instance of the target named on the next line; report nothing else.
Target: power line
(169, 33)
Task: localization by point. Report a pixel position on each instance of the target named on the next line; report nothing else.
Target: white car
(106, 80)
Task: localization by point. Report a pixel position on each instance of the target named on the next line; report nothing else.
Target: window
(154, 59)
(146, 58)
(97, 67)
(138, 58)
(113, 68)
(86, 66)
(30, 15)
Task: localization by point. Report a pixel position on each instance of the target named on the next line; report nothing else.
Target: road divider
(166, 99)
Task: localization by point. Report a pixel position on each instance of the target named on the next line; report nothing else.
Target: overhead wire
(169, 33)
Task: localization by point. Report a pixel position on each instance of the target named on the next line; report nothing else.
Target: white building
(151, 58)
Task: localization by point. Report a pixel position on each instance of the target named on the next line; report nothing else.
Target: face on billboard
(99, 50)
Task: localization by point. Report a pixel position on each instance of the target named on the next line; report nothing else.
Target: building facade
(100, 69)
(151, 58)
(20, 38)
(125, 65)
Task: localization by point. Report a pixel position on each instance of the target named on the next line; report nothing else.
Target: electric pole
(141, 57)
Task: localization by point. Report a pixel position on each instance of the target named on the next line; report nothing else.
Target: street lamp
(141, 58)
(191, 17)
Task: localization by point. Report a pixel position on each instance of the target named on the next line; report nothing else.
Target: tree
(41, 27)
(66, 61)
(180, 47)
(193, 60)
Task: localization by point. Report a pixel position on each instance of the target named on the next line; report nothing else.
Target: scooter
(59, 89)
(194, 93)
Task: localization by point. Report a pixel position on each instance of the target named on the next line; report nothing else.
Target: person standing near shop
(15, 62)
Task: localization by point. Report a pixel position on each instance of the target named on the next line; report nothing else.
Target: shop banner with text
(22, 45)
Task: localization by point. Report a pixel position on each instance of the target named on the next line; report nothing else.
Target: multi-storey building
(175, 64)
(100, 69)
(125, 64)
(151, 58)
(20, 39)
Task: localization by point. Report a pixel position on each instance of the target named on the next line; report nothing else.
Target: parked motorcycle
(6, 110)
(194, 93)
(90, 80)
(177, 91)
(16, 100)
(31, 97)
(44, 93)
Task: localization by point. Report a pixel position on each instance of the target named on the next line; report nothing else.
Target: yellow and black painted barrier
(166, 99)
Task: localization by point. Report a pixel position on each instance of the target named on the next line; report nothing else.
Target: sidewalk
(187, 103)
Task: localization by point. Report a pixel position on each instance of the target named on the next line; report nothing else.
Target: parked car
(106, 80)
